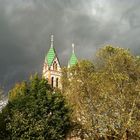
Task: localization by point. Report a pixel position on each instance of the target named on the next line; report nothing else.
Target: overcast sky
(26, 26)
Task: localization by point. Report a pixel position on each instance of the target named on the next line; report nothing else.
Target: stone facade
(53, 73)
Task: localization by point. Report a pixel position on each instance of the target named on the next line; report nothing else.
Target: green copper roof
(73, 60)
(50, 56)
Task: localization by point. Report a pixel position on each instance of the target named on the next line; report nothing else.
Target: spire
(73, 59)
(51, 53)
(73, 47)
(52, 40)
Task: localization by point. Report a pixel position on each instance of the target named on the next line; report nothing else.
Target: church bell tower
(52, 68)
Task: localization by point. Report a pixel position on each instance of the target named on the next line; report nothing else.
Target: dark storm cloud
(26, 25)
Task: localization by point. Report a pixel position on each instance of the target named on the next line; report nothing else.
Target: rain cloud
(26, 26)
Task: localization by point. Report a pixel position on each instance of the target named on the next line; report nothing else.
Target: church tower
(52, 68)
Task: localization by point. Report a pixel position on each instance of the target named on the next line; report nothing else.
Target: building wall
(53, 72)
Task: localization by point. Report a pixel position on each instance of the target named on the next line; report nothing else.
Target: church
(52, 69)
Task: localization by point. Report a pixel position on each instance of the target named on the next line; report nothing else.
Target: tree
(4, 134)
(3, 101)
(106, 95)
(39, 113)
(1, 98)
(77, 83)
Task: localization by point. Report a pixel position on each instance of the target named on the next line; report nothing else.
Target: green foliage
(36, 112)
(17, 92)
(4, 134)
(106, 96)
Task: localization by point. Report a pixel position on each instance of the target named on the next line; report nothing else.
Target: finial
(52, 40)
(73, 47)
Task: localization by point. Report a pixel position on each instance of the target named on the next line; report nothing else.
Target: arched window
(54, 65)
(52, 81)
(57, 82)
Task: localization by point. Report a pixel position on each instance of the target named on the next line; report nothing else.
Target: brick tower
(52, 68)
